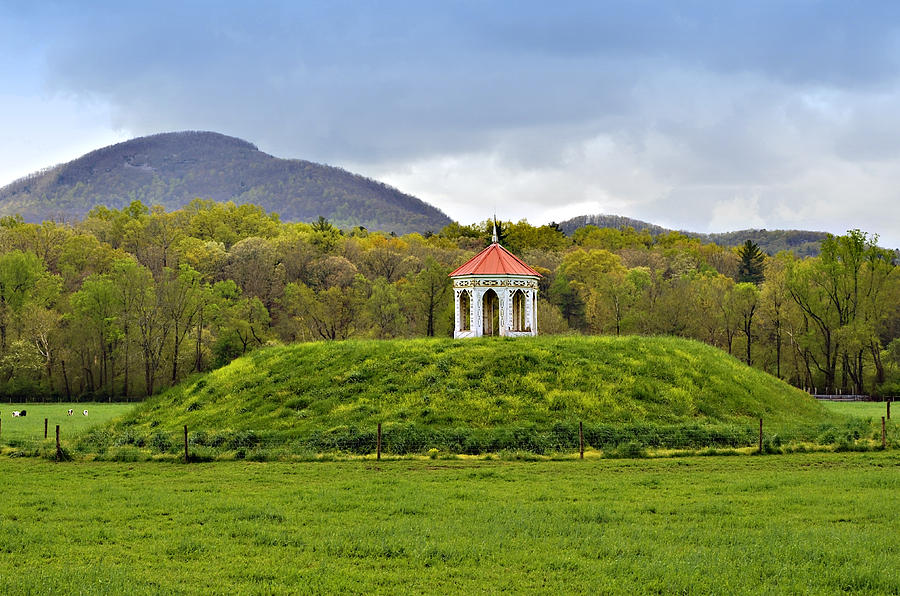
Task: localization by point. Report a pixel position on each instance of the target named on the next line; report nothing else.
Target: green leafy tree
(332, 313)
(832, 292)
(773, 305)
(523, 236)
(709, 293)
(130, 281)
(95, 306)
(20, 369)
(154, 328)
(181, 299)
(428, 293)
(387, 258)
(745, 298)
(253, 264)
(597, 275)
(42, 328)
(23, 279)
(383, 309)
(564, 297)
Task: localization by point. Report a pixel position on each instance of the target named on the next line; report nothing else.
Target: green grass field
(862, 409)
(29, 431)
(819, 523)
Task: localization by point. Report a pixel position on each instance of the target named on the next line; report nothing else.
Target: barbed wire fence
(566, 439)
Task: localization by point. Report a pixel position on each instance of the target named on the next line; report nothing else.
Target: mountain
(171, 169)
(801, 242)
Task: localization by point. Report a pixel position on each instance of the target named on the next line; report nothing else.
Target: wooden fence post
(581, 439)
(58, 448)
(186, 457)
(760, 435)
(883, 434)
(378, 443)
(45, 428)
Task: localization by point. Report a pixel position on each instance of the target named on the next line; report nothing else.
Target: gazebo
(495, 294)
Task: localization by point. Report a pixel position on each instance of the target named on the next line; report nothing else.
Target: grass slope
(481, 395)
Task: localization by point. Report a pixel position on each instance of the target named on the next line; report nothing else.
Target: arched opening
(491, 313)
(465, 311)
(518, 311)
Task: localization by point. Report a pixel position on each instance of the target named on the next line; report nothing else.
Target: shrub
(161, 442)
(126, 453)
(629, 450)
(243, 439)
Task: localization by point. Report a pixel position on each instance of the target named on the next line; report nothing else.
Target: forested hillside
(172, 169)
(126, 302)
(802, 243)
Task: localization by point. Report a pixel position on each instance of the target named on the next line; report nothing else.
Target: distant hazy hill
(800, 242)
(171, 169)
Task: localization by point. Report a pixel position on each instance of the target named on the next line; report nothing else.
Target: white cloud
(738, 213)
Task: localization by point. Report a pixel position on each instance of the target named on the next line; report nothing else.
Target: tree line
(124, 303)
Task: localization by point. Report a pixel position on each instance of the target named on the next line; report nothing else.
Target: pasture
(873, 410)
(29, 430)
(818, 523)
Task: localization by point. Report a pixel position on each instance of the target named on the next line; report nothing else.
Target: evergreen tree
(501, 231)
(751, 268)
(322, 225)
(566, 298)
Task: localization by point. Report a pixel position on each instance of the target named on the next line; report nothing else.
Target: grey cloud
(404, 78)
(696, 103)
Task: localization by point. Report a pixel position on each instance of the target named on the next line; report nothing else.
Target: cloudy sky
(707, 116)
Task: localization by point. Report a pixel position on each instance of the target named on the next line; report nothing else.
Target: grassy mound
(473, 396)
(481, 383)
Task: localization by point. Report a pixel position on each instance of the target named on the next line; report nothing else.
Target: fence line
(402, 439)
(854, 397)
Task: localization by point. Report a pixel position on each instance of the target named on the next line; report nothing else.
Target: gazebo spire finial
(494, 236)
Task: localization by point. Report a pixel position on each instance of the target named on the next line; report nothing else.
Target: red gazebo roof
(494, 260)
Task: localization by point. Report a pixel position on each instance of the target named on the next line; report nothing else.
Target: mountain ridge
(171, 169)
(800, 242)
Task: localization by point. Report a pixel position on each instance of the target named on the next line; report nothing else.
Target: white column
(456, 311)
(503, 295)
(477, 320)
(472, 310)
(526, 304)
